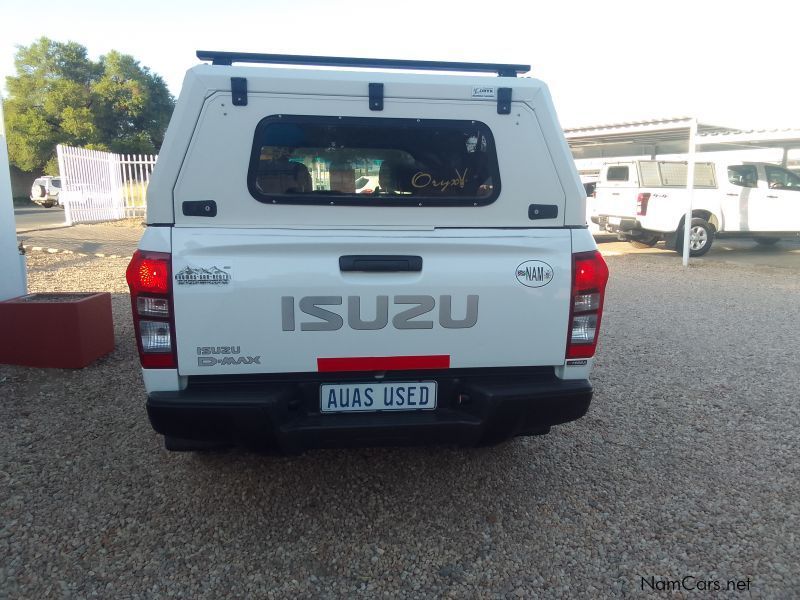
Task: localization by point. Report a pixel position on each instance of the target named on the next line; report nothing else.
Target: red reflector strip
(165, 360)
(383, 363)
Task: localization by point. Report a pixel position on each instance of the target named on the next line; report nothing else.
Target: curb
(42, 228)
(57, 251)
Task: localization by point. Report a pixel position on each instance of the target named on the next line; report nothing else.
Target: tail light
(641, 203)
(149, 280)
(589, 277)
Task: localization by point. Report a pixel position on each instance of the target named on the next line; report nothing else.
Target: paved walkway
(741, 251)
(105, 239)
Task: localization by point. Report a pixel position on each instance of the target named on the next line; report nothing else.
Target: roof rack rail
(228, 58)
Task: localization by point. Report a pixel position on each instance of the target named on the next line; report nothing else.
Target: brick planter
(63, 330)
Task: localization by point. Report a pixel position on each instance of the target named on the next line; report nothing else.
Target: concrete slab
(785, 254)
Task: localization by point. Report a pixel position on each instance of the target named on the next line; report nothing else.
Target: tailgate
(279, 301)
(616, 201)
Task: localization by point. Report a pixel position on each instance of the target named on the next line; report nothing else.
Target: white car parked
(45, 191)
(276, 303)
(645, 201)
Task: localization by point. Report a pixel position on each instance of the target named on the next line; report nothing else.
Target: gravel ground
(685, 465)
(111, 238)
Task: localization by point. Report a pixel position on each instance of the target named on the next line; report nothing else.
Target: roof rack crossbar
(228, 58)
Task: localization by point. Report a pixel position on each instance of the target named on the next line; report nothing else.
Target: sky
(730, 63)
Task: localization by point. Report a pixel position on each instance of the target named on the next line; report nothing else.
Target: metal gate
(102, 186)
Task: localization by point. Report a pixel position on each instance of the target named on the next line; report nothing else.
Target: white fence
(102, 186)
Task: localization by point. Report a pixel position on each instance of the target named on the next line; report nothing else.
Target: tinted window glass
(617, 174)
(743, 175)
(373, 161)
(782, 179)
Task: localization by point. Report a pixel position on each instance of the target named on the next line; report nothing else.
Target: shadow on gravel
(401, 468)
(89, 247)
(410, 491)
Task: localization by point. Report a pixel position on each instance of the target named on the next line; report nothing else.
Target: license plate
(371, 397)
(614, 220)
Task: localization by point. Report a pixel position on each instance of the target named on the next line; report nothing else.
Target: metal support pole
(687, 223)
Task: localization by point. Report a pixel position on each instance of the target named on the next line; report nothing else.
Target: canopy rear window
(373, 162)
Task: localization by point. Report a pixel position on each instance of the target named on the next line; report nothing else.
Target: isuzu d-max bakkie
(645, 201)
(363, 256)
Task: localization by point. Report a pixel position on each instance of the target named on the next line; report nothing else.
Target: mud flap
(671, 240)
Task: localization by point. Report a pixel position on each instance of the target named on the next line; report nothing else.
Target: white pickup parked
(645, 201)
(280, 300)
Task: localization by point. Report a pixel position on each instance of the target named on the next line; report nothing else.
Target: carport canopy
(682, 135)
(671, 136)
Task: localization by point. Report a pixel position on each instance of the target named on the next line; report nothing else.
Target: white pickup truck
(645, 201)
(277, 303)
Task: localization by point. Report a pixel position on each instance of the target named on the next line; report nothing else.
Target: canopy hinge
(503, 101)
(239, 91)
(376, 96)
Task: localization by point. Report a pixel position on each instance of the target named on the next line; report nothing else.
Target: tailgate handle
(200, 208)
(542, 211)
(371, 263)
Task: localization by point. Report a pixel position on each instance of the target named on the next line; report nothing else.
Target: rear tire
(48, 204)
(766, 241)
(702, 236)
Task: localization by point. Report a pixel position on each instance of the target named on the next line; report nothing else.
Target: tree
(60, 96)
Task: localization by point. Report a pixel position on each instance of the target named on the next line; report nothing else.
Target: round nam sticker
(534, 273)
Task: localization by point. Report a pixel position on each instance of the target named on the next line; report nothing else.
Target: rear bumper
(625, 225)
(629, 228)
(475, 407)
